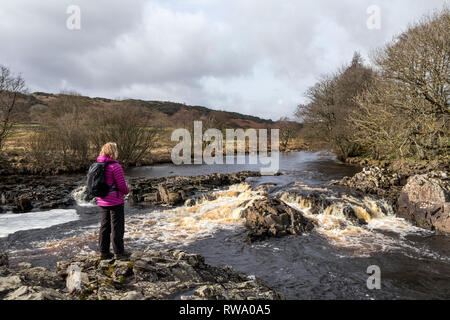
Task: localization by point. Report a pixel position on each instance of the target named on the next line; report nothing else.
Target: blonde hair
(110, 149)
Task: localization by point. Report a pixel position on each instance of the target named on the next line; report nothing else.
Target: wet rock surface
(167, 274)
(377, 181)
(273, 218)
(422, 199)
(3, 259)
(176, 190)
(425, 201)
(21, 194)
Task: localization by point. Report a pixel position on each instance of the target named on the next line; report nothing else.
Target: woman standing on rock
(112, 205)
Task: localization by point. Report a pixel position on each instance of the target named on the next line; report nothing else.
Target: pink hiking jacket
(113, 174)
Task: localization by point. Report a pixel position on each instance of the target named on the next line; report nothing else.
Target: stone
(133, 295)
(24, 204)
(9, 283)
(39, 276)
(152, 197)
(24, 265)
(174, 198)
(425, 201)
(35, 293)
(190, 202)
(4, 259)
(269, 217)
(77, 281)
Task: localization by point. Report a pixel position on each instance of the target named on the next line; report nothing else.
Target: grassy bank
(17, 158)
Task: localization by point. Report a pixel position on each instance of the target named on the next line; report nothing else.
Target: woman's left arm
(119, 177)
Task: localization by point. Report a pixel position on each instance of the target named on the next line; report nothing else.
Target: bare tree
(11, 86)
(126, 125)
(331, 101)
(288, 131)
(406, 112)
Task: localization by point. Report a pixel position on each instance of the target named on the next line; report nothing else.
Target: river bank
(151, 275)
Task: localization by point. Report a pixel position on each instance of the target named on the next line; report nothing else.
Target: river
(331, 262)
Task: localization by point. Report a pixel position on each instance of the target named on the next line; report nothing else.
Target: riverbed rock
(35, 293)
(166, 274)
(77, 282)
(39, 276)
(377, 181)
(270, 217)
(3, 259)
(176, 190)
(23, 193)
(425, 201)
(9, 283)
(24, 204)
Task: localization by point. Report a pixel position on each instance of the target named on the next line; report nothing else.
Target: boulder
(9, 283)
(241, 291)
(3, 259)
(39, 276)
(35, 293)
(24, 204)
(424, 200)
(77, 281)
(273, 218)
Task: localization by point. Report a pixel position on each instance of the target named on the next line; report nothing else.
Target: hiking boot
(106, 255)
(122, 256)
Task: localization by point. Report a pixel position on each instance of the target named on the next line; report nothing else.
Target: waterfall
(81, 197)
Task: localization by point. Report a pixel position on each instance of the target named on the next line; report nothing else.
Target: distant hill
(165, 113)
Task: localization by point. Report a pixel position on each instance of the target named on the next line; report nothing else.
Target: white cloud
(236, 55)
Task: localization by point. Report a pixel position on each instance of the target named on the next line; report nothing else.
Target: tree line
(396, 108)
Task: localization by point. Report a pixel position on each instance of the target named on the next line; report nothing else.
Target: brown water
(328, 263)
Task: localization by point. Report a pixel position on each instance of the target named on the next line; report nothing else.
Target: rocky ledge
(24, 193)
(422, 199)
(167, 274)
(376, 181)
(176, 190)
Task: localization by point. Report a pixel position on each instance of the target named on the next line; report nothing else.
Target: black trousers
(113, 226)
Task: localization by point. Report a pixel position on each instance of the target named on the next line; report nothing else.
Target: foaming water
(186, 224)
(11, 223)
(80, 197)
(382, 233)
(220, 210)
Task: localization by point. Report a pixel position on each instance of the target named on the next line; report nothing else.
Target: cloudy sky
(251, 56)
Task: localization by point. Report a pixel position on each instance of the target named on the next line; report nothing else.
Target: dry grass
(19, 138)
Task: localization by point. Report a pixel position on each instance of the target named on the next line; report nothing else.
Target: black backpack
(96, 180)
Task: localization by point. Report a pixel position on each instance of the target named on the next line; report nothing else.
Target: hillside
(164, 113)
